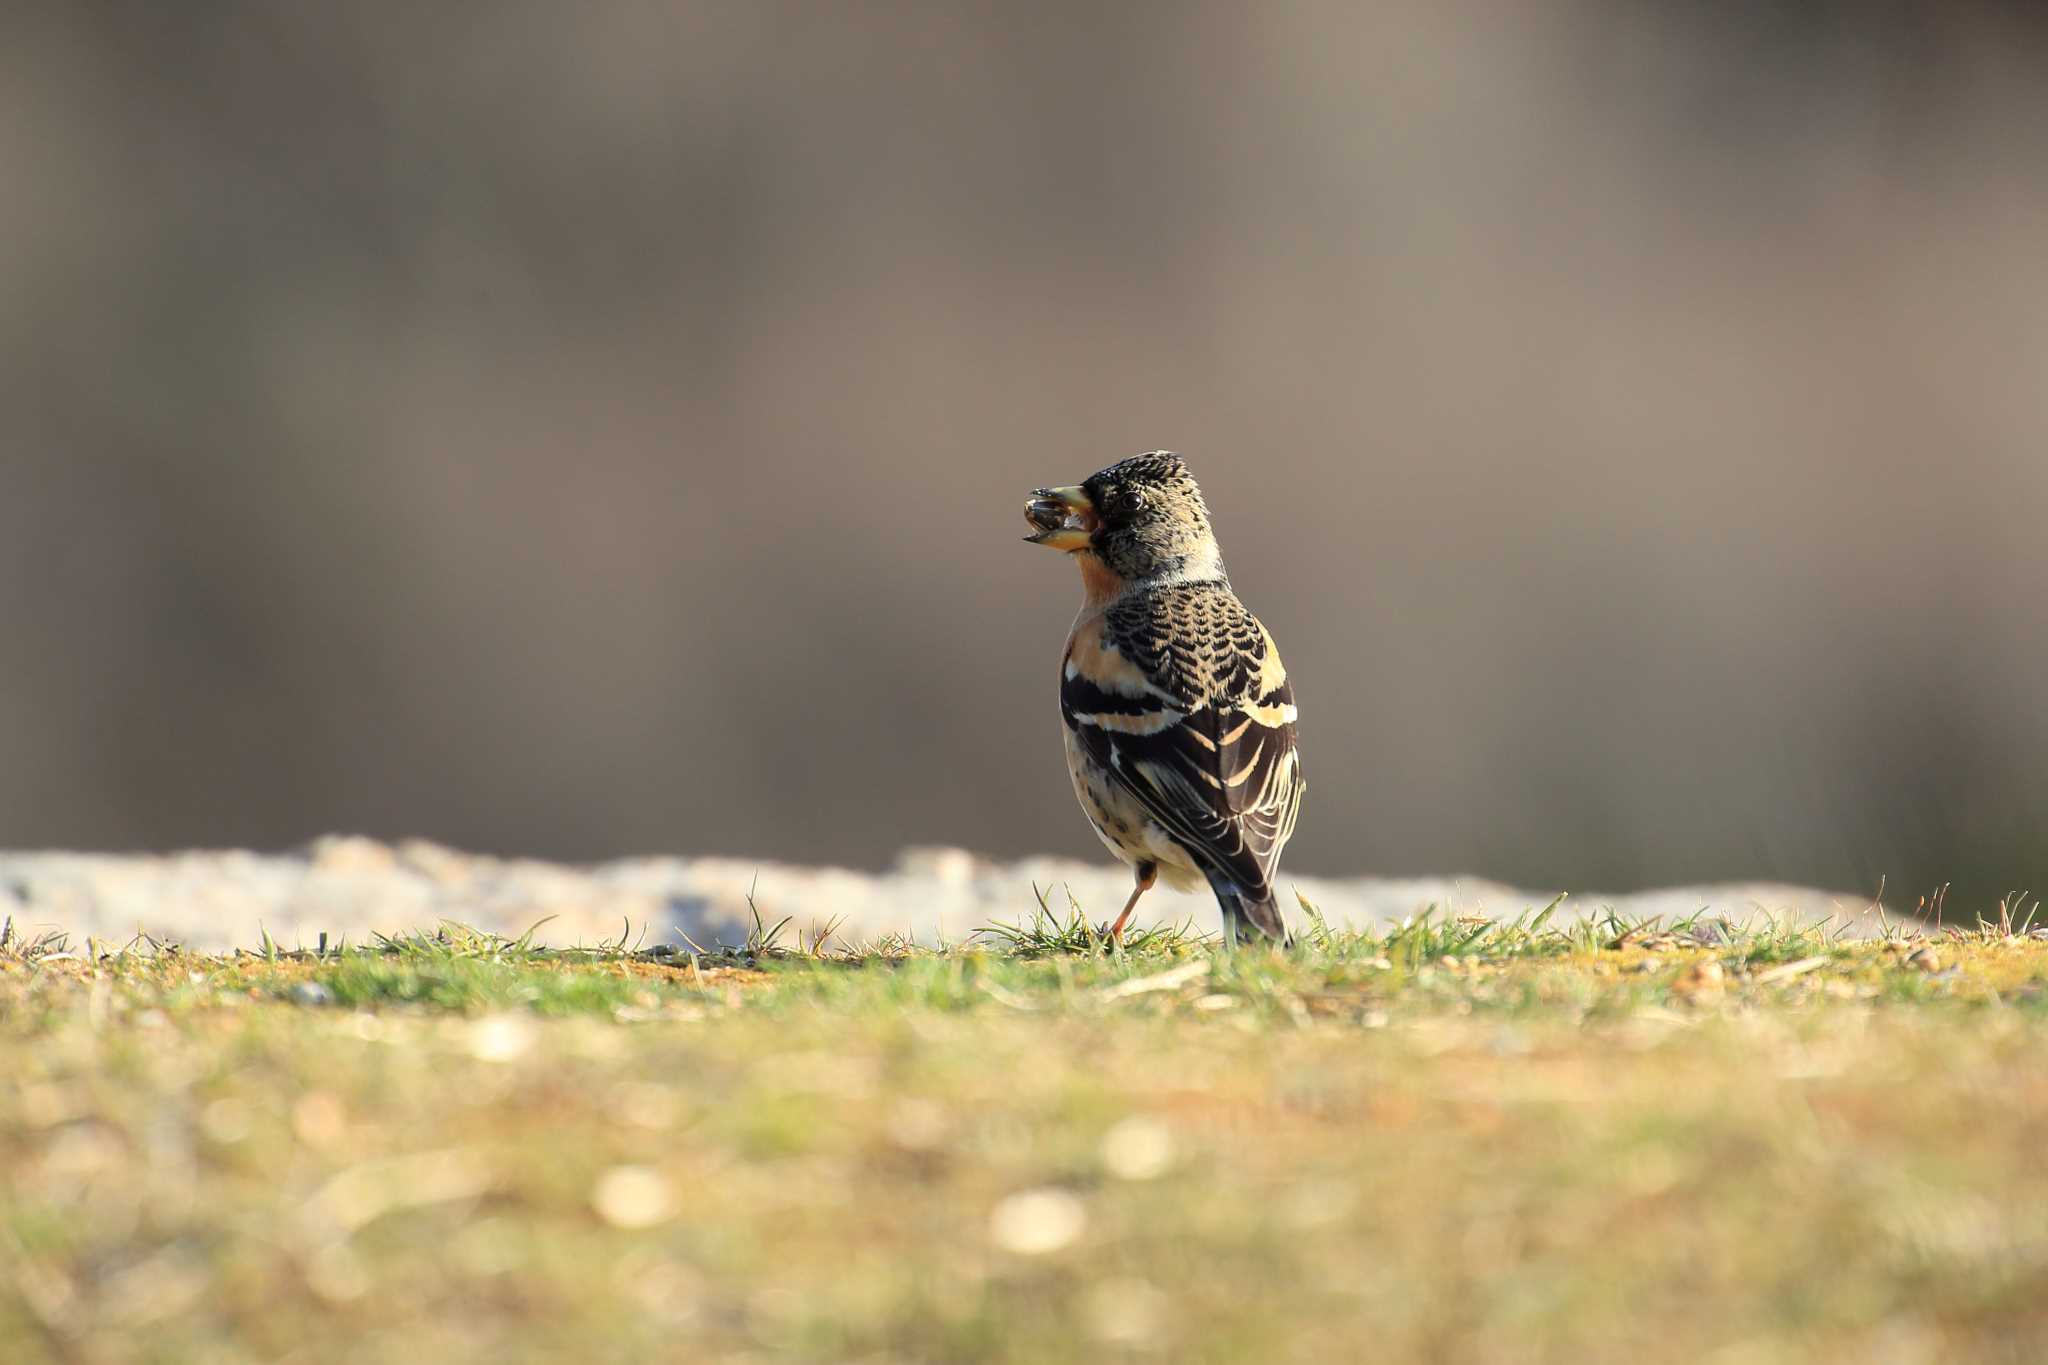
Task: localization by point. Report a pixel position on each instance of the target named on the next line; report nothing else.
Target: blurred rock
(354, 888)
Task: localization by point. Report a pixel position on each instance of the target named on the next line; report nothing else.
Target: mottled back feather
(1208, 744)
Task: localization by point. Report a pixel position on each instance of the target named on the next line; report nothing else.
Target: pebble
(633, 1197)
(1138, 1149)
(501, 1037)
(1037, 1222)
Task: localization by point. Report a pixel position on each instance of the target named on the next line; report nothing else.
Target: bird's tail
(1250, 913)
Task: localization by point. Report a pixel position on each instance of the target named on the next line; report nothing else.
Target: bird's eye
(1130, 501)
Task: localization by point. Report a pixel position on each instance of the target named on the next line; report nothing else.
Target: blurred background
(579, 430)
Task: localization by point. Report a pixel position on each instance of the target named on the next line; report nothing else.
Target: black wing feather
(1224, 776)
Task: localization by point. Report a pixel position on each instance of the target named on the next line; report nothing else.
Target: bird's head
(1139, 519)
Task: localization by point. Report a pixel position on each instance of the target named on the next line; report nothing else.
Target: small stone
(1037, 1222)
(500, 1038)
(1138, 1149)
(633, 1197)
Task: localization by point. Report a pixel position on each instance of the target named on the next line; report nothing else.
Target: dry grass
(1457, 1142)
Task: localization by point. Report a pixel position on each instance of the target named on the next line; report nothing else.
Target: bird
(1178, 715)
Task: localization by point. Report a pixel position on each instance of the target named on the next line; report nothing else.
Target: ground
(1451, 1141)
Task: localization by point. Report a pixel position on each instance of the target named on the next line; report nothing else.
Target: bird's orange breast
(1099, 583)
(1091, 656)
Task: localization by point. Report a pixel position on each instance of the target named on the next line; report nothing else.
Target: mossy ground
(1457, 1141)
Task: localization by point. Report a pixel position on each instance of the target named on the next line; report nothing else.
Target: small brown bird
(1179, 717)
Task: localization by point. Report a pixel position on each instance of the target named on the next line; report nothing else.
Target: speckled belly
(1123, 824)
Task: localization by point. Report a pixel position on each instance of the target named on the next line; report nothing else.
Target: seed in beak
(1047, 514)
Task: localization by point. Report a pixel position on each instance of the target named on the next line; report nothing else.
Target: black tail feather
(1250, 914)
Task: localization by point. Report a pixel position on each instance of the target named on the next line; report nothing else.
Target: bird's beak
(1062, 518)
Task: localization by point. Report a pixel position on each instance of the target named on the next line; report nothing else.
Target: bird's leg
(1148, 873)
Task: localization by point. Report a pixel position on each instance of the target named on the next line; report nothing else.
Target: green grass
(1457, 1140)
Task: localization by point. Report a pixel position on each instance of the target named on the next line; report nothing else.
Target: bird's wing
(1183, 699)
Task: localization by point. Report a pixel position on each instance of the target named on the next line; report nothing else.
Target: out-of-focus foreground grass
(1453, 1142)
